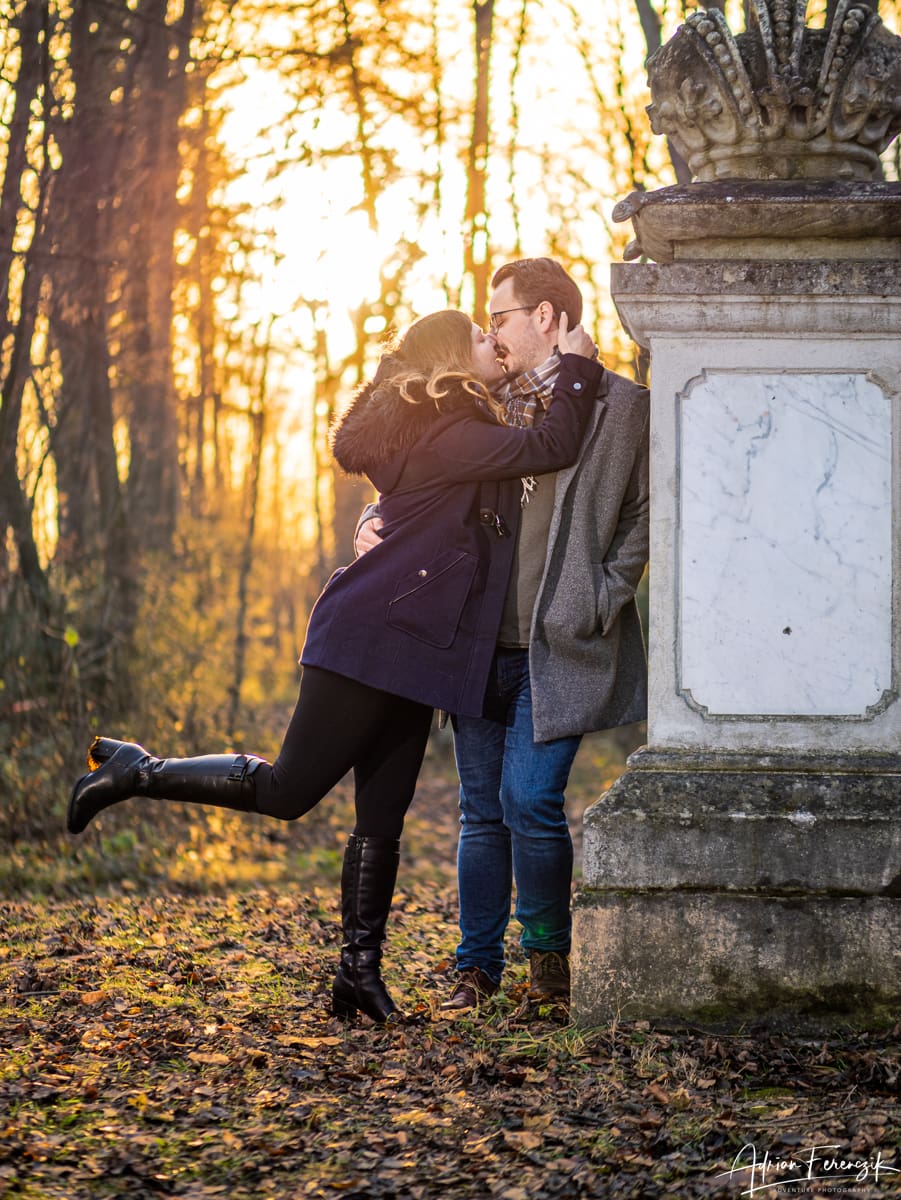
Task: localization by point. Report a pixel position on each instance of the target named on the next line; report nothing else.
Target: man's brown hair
(537, 279)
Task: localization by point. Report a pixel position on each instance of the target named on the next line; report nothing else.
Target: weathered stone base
(723, 958)
(722, 887)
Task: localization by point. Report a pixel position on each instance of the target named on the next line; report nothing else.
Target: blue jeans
(512, 823)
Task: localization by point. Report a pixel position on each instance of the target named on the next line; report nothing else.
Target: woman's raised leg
(336, 723)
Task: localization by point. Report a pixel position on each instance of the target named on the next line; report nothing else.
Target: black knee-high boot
(367, 889)
(223, 780)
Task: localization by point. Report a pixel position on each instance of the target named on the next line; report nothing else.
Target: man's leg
(534, 779)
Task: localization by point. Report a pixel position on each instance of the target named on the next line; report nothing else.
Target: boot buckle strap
(238, 769)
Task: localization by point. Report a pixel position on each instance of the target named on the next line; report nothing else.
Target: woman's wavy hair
(433, 355)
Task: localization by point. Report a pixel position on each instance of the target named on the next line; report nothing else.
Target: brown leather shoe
(549, 977)
(473, 986)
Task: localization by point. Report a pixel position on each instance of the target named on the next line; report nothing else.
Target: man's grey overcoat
(586, 655)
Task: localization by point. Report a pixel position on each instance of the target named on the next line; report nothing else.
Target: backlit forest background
(213, 213)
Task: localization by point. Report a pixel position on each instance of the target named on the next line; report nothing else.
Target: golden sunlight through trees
(212, 215)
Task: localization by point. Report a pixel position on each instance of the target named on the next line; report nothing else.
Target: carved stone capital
(779, 101)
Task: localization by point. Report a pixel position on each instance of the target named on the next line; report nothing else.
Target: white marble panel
(784, 544)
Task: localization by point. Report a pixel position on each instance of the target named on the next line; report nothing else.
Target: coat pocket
(601, 597)
(428, 603)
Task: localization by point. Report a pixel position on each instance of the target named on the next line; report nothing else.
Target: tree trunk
(521, 35)
(650, 26)
(91, 509)
(28, 25)
(200, 219)
(358, 93)
(161, 94)
(257, 420)
(15, 513)
(476, 258)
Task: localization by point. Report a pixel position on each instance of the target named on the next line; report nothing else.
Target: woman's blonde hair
(433, 354)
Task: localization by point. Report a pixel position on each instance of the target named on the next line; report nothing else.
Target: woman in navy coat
(409, 627)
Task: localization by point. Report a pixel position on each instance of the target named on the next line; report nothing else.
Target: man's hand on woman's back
(367, 535)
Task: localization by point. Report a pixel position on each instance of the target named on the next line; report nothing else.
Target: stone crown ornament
(779, 101)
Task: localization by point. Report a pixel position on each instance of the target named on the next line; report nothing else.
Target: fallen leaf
(312, 1043)
(522, 1139)
(92, 997)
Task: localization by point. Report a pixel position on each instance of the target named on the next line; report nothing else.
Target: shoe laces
(472, 979)
(549, 963)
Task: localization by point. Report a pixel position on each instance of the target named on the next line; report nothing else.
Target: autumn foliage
(174, 1040)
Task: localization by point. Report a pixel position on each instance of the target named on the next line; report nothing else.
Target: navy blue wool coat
(418, 615)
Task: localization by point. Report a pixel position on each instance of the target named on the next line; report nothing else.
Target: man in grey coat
(570, 656)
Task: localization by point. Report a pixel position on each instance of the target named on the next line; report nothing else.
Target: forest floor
(165, 1032)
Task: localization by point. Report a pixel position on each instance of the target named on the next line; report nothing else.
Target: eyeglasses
(492, 317)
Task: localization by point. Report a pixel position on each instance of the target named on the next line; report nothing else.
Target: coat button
(422, 574)
(577, 387)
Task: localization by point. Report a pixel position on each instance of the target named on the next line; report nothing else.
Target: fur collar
(381, 427)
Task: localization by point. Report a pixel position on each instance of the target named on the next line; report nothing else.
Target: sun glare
(331, 256)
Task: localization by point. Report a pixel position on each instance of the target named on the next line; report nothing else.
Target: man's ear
(547, 318)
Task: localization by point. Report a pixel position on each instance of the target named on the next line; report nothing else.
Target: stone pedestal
(748, 862)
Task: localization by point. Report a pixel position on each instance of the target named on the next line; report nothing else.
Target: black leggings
(339, 724)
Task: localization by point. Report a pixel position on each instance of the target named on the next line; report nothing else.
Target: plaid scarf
(522, 394)
(521, 397)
